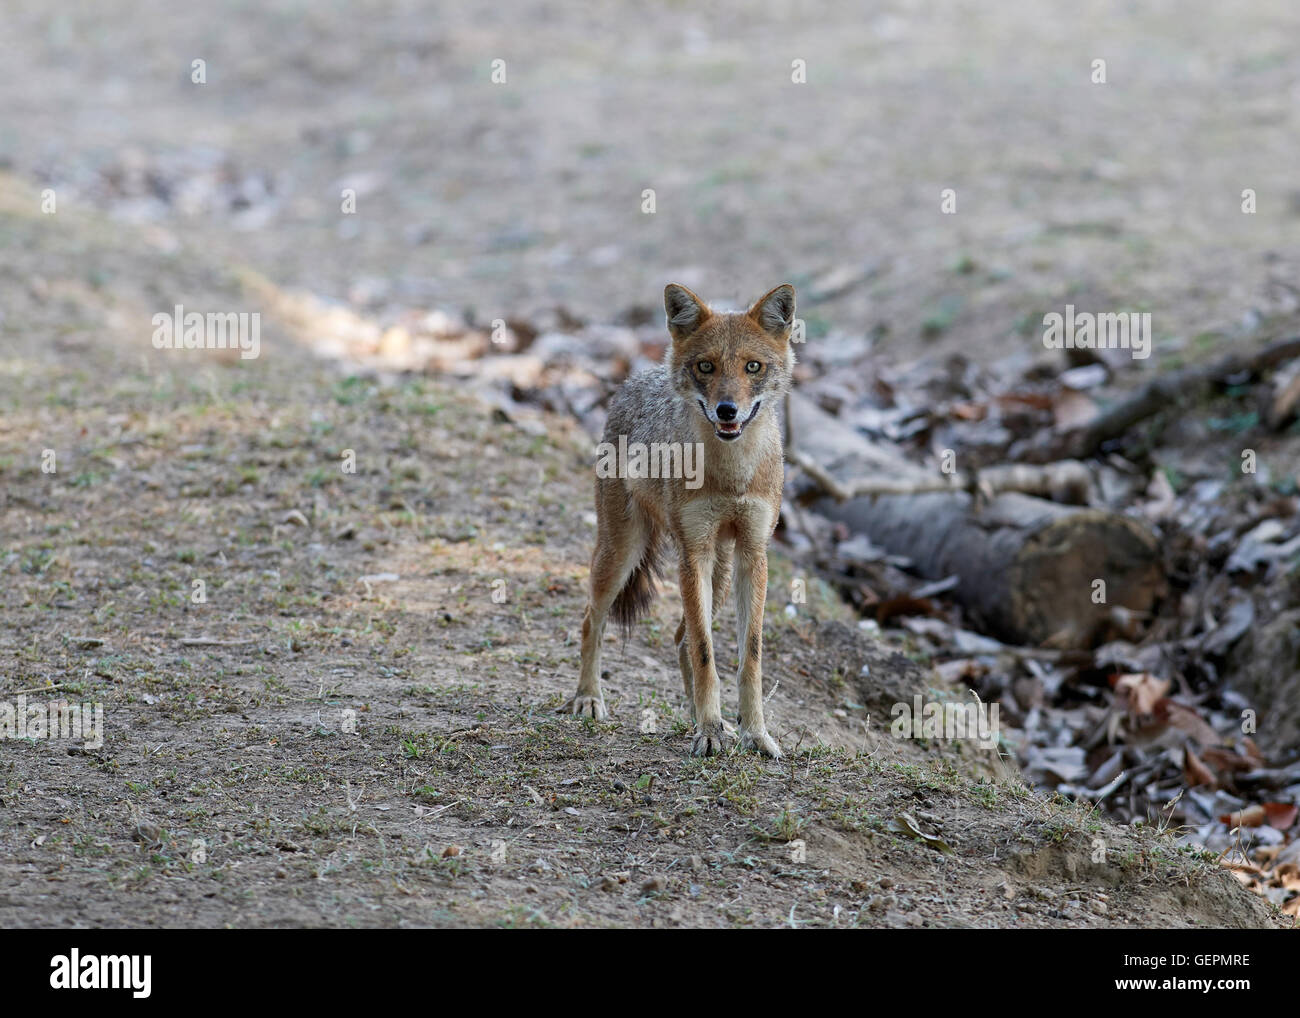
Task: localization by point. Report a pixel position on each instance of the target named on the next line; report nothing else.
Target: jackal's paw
(711, 739)
(591, 706)
(727, 727)
(760, 742)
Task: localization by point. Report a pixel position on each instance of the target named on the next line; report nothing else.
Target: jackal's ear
(774, 311)
(686, 312)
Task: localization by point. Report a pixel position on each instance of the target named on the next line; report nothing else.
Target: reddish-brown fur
(718, 389)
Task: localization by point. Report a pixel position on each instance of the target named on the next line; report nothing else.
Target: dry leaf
(1196, 773)
(903, 605)
(1186, 720)
(1251, 816)
(1072, 409)
(1226, 760)
(1280, 814)
(906, 824)
(963, 411)
(1141, 691)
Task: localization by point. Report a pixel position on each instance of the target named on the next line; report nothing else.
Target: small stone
(149, 834)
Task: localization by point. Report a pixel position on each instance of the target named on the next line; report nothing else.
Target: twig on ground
(1172, 387)
(1067, 481)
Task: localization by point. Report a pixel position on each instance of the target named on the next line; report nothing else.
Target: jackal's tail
(634, 600)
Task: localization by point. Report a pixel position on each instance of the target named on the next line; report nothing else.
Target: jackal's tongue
(728, 425)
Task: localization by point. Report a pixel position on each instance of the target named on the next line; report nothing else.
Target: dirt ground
(373, 752)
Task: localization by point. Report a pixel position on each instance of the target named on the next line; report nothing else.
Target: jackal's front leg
(751, 597)
(711, 736)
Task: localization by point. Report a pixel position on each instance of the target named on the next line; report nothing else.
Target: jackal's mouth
(729, 431)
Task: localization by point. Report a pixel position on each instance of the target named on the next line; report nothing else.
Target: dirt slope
(229, 790)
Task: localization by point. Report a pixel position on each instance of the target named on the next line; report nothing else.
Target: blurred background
(498, 199)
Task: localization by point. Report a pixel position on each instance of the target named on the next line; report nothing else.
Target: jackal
(723, 378)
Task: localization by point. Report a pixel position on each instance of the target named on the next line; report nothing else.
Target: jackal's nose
(726, 411)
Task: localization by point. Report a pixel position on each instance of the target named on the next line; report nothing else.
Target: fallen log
(1026, 567)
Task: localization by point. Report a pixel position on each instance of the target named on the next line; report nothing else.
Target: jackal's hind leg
(620, 548)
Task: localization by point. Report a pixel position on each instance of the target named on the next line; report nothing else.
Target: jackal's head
(733, 366)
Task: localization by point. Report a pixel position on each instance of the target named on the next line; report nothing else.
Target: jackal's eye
(753, 367)
(704, 367)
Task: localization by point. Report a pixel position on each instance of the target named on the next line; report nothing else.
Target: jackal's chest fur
(709, 517)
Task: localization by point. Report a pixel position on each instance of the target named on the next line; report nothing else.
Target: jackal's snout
(729, 420)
